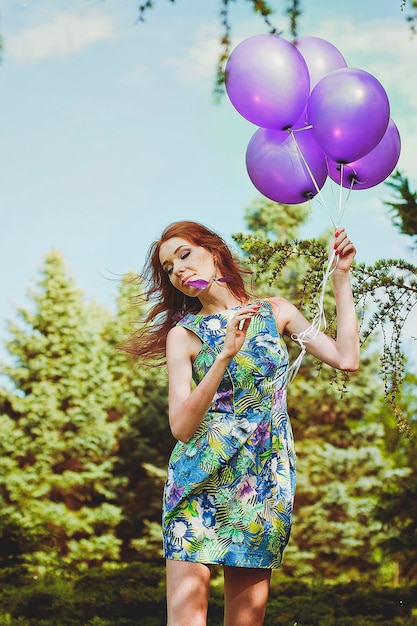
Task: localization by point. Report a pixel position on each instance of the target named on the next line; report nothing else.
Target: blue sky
(109, 130)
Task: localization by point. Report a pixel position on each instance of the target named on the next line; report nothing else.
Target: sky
(109, 131)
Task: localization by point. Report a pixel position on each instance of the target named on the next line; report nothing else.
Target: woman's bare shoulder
(284, 311)
(177, 330)
(281, 305)
(182, 342)
(177, 334)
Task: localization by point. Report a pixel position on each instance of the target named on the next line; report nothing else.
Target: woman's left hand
(344, 250)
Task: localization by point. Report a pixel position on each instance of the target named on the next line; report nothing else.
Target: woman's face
(183, 262)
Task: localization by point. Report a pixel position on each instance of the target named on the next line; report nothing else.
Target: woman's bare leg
(188, 589)
(245, 595)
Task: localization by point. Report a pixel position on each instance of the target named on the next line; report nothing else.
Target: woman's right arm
(187, 407)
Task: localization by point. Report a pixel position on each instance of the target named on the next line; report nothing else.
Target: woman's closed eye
(169, 269)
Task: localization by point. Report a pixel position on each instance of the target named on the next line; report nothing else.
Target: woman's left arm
(342, 352)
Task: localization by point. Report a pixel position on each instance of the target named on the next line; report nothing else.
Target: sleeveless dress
(229, 492)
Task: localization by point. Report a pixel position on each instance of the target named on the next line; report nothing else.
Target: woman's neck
(215, 302)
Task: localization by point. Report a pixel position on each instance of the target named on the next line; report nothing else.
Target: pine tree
(403, 208)
(397, 508)
(336, 533)
(58, 444)
(141, 409)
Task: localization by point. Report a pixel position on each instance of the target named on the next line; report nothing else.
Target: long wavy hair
(169, 304)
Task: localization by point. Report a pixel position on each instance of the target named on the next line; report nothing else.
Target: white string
(310, 173)
(305, 162)
(318, 324)
(342, 205)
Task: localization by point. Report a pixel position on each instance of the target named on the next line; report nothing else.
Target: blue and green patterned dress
(229, 493)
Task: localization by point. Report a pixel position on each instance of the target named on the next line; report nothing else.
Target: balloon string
(310, 173)
(340, 203)
(319, 323)
(341, 206)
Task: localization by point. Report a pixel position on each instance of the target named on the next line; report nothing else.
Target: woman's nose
(178, 269)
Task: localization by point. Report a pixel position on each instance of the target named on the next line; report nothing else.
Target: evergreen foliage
(397, 508)
(404, 209)
(57, 446)
(412, 15)
(85, 434)
(145, 441)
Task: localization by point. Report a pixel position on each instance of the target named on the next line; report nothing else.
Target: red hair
(170, 304)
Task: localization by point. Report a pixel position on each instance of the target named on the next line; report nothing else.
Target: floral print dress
(229, 493)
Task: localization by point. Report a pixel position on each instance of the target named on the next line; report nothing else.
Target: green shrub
(135, 594)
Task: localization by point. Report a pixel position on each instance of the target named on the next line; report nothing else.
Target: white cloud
(197, 66)
(62, 35)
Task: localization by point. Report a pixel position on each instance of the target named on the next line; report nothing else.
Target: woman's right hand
(236, 330)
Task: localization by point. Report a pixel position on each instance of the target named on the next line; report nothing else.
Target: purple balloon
(267, 81)
(321, 57)
(277, 169)
(374, 167)
(349, 111)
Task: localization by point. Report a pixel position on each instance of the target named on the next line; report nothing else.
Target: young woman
(231, 476)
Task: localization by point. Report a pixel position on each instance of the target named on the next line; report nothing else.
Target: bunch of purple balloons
(317, 118)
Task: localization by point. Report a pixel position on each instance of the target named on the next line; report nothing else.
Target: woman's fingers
(342, 243)
(244, 315)
(344, 249)
(238, 326)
